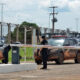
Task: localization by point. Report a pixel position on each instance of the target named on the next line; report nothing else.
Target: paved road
(67, 71)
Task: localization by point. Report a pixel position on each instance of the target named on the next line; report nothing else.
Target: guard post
(15, 55)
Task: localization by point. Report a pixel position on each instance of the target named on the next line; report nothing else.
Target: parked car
(1, 44)
(59, 55)
(17, 43)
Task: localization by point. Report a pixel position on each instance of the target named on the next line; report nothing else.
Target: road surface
(67, 71)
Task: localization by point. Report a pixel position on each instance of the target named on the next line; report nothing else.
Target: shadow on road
(67, 63)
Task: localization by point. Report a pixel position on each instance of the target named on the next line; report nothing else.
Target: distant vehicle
(59, 36)
(59, 55)
(1, 44)
(78, 40)
(17, 43)
(2, 39)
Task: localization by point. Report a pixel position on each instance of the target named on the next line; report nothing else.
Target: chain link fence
(11, 33)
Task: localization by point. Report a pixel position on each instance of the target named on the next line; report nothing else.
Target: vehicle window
(1, 44)
(72, 42)
(66, 43)
(75, 42)
(56, 42)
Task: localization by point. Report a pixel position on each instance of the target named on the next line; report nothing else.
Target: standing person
(44, 53)
(5, 54)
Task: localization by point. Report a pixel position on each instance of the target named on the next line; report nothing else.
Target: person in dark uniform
(5, 54)
(44, 53)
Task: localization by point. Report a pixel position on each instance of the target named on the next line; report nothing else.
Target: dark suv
(59, 55)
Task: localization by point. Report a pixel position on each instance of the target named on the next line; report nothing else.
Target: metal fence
(25, 54)
(8, 29)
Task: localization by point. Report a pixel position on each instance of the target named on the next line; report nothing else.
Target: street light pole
(77, 21)
(2, 6)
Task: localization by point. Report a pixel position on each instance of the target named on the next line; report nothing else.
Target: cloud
(17, 4)
(74, 5)
(23, 4)
(59, 3)
(44, 3)
(25, 10)
(69, 10)
(17, 18)
(36, 11)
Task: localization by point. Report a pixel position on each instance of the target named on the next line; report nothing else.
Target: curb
(6, 68)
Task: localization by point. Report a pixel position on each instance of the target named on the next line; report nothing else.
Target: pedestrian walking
(44, 52)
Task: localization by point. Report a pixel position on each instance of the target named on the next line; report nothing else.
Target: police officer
(44, 53)
(5, 54)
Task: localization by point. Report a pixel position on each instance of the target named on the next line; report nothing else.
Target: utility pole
(54, 19)
(77, 21)
(2, 6)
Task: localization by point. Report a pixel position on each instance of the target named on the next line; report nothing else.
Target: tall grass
(28, 52)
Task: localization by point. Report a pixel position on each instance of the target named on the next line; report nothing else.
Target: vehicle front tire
(60, 59)
(77, 60)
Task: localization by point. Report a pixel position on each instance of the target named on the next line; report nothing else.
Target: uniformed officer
(44, 53)
(5, 54)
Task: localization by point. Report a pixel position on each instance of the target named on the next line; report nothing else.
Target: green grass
(23, 51)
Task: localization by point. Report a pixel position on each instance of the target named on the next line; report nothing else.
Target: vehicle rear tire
(38, 62)
(60, 59)
(77, 60)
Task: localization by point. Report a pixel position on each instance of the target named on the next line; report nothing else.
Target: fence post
(34, 37)
(0, 30)
(25, 43)
(17, 33)
(24, 35)
(9, 33)
(34, 40)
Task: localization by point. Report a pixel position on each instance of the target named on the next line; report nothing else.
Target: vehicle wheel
(60, 59)
(77, 60)
(38, 61)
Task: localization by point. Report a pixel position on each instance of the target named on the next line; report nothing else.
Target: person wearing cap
(44, 52)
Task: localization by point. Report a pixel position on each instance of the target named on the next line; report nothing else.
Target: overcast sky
(37, 11)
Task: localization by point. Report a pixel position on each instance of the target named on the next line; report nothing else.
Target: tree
(21, 31)
(28, 25)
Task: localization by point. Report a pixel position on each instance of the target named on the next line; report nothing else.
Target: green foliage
(27, 24)
(21, 31)
(29, 54)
